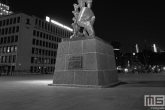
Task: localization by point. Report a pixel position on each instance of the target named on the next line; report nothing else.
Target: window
(2, 32)
(42, 24)
(15, 20)
(37, 42)
(18, 19)
(44, 35)
(16, 38)
(1, 41)
(32, 59)
(8, 39)
(39, 51)
(31, 69)
(43, 43)
(49, 37)
(4, 49)
(38, 33)
(36, 22)
(7, 22)
(12, 39)
(15, 48)
(46, 44)
(34, 32)
(34, 41)
(28, 21)
(6, 30)
(11, 20)
(14, 58)
(13, 31)
(39, 23)
(33, 50)
(10, 58)
(4, 22)
(0, 23)
(40, 43)
(10, 30)
(17, 29)
(43, 52)
(41, 34)
(36, 51)
(6, 59)
(11, 48)
(5, 40)
(8, 49)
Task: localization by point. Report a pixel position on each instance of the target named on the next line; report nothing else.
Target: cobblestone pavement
(33, 93)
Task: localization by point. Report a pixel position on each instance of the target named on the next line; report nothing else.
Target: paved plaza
(33, 93)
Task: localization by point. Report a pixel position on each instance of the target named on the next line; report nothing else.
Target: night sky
(125, 22)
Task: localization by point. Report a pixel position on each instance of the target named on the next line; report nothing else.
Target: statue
(83, 18)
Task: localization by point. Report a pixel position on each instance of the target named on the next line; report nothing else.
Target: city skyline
(125, 22)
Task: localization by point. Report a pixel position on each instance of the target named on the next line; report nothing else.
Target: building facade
(29, 44)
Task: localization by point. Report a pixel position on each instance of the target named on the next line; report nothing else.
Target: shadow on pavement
(141, 84)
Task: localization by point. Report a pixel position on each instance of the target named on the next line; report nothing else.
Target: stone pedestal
(85, 62)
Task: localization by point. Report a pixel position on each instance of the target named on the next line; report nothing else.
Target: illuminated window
(4, 49)
(12, 48)
(8, 49)
(15, 48)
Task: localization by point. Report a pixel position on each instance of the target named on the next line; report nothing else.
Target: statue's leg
(89, 28)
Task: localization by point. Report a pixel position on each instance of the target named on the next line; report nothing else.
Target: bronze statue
(83, 17)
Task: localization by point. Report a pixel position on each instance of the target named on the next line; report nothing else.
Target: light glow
(155, 49)
(57, 23)
(47, 19)
(137, 48)
(116, 49)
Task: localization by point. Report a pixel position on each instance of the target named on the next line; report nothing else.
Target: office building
(29, 44)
